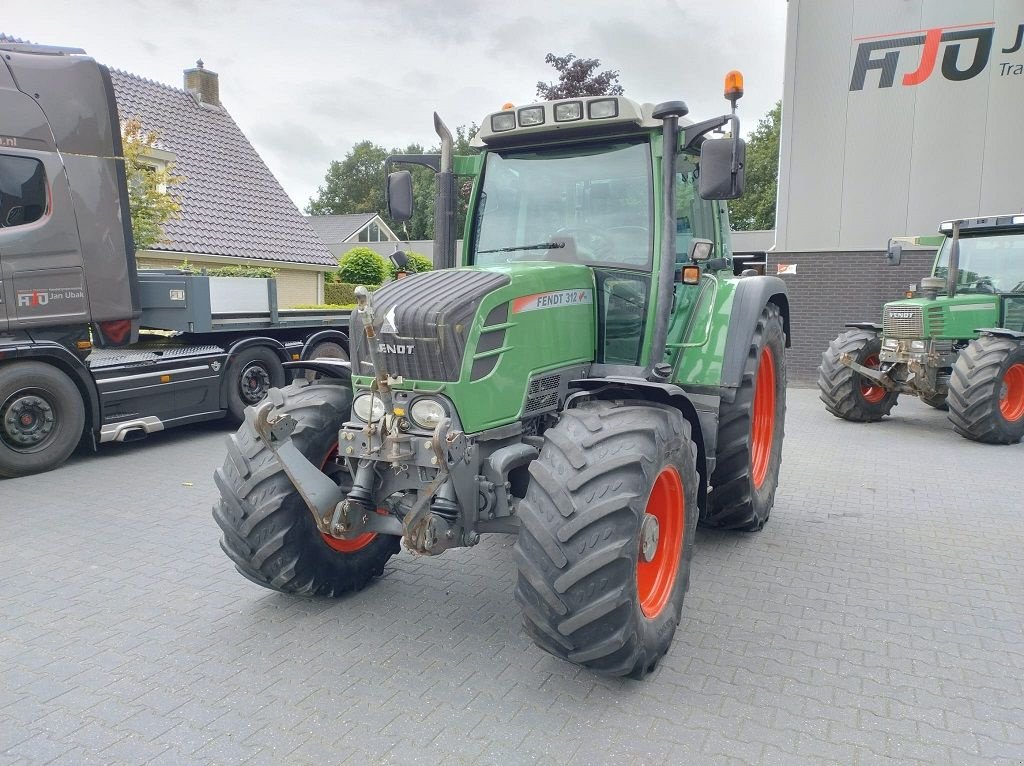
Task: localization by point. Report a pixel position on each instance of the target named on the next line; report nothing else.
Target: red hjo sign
(882, 52)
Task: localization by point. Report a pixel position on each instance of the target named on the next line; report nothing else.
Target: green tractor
(588, 374)
(957, 343)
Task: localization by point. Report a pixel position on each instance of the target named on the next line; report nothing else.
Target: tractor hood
(940, 318)
(481, 334)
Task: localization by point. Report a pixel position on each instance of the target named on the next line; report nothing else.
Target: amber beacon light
(734, 86)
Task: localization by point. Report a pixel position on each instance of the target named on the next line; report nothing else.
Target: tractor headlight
(368, 408)
(427, 412)
(569, 111)
(503, 121)
(603, 109)
(533, 115)
(917, 345)
(891, 344)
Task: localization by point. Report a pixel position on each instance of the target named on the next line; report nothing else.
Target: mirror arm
(693, 135)
(432, 161)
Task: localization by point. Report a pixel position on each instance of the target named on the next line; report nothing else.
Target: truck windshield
(589, 205)
(988, 264)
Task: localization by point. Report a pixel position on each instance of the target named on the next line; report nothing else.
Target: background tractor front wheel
(847, 394)
(269, 533)
(986, 391)
(607, 532)
(750, 433)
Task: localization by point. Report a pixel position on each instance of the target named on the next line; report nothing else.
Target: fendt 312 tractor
(73, 363)
(590, 376)
(958, 344)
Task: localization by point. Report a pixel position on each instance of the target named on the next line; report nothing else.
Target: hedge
(340, 293)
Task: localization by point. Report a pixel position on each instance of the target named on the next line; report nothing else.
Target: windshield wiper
(539, 246)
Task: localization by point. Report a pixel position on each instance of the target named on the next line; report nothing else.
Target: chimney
(203, 84)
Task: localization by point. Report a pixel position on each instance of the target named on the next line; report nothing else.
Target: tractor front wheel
(608, 521)
(938, 401)
(750, 433)
(986, 391)
(847, 394)
(269, 533)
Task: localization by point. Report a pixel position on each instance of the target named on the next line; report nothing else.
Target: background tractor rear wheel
(846, 394)
(938, 401)
(986, 391)
(255, 371)
(750, 433)
(607, 532)
(269, 532)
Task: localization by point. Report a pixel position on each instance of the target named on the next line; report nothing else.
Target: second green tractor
(957, 343)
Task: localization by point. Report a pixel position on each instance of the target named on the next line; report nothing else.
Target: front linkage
(437, 490)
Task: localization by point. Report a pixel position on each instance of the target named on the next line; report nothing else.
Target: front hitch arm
(875, 376)
(320, 494)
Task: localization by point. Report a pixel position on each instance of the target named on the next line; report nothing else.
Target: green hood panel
(941, 318)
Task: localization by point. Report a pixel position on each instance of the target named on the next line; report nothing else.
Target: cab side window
(695, 217)
(22, 191)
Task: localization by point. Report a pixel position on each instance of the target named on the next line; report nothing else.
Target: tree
(756, 208)
(578, 77)
(150, 200)
(356, 185)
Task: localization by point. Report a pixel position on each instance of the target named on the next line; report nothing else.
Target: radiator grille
(936, 321)
(542, 394)
(903, 322)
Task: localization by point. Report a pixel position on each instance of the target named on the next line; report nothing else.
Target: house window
(22, 191)
(372, 233)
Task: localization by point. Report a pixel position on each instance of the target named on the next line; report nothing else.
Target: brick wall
(832, 288)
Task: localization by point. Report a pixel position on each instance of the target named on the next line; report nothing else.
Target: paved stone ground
(877, 619)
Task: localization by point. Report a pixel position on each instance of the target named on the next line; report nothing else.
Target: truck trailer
(92, 350)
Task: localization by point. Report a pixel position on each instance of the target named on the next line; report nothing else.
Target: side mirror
(894, 253)
(399, 259)
(700, 249)
(399, 195)
(720, 178)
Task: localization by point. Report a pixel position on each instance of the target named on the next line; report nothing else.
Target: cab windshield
(589, 205)
(988, 264)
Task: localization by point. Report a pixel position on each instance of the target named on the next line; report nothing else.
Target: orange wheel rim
(762, 427)
(1011, 400)
(871, 393)
(656, 578)
(336, 543)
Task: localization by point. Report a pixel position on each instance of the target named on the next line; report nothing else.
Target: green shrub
(418, 263)
(340, 293)
(324, 306)
(238, 270)
(362, 266)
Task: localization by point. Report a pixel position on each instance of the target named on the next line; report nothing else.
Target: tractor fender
(319, 337)
(336, 369)
(60, 357)
(1000, 332)
(868, 326)
(663, 393)
(752, 295)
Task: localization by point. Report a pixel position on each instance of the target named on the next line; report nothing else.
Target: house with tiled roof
(340, 233)
(233, 210)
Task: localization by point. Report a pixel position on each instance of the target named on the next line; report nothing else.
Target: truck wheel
(327, 349)
(846, 394)
(41, 418)
(604, 549)
(938, 401)
(255, 371)
(269, 532)
(750, 433)
(986, 391)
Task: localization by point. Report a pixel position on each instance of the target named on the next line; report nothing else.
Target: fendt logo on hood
(882, 52)
(902, 314)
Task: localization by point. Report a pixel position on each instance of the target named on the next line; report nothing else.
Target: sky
(307, 80)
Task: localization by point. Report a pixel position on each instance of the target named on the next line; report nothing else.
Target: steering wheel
(983, 285)
(589, 238)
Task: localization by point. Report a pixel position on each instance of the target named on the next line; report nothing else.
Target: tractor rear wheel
(608, 522)
(986, 391)
(750, 433)
(269, 533)
(847, 394)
